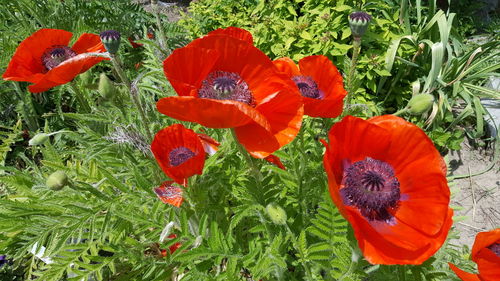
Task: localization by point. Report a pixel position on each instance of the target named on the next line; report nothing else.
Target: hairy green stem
(156, 11)
(248, 159)
(28, 110)
(356, 44)
(133, 94)
(82, 100)
(399, 112)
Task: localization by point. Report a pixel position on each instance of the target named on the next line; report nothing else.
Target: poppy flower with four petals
(223, 81)
(46, 60)
(486, 254)
(179, 152)
(389, 181)
(319, 82)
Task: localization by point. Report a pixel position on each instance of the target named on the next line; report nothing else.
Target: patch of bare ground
(476, 190)
(171, 8)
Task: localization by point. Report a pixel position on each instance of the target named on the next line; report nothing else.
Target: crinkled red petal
(211, 113)
(173, 137)
(324, 108)
(465, 276)
(186, 68)
(64, 72)
(287, 66)
(88, 43)
(236, 32)
(26, 64)
(169, 194)
(488, 263)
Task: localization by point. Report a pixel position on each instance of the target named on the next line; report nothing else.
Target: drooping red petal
(169, 194)
(64, 72)
(211, 113)
(186, 68)
(209, 144)
(173, 137)
(324, 108)
(26, 64)
(88, 43)
(287, 66)
(465, 276)
(235, 32)
(275, 160)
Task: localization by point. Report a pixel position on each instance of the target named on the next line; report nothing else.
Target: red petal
(211, 113)
(26, 64)
(173, 137)
(325, 108)
(275, 160)
(465, 276)
(209, 144)
(88, 43)
(488, 263)
(325, 74)
(287, 66)
(64, 72)
(169, 194)
(186, 68)
(235, 32)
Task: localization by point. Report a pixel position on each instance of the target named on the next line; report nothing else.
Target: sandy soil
(478, 197)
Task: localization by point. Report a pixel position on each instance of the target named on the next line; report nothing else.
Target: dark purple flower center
(360, 16)
(223, 85)
(55, 55)
(371, 186)
(495, 248)
(307, 86)
(110, 35)
(180, 155)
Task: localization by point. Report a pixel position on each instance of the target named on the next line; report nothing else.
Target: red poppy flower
(389, 182)
(319, 82)
(486, 253)
(169, 194)
(225, 82)
(46, 60)
(179, 152)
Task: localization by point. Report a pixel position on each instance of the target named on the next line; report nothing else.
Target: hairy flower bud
(276, 213)
(111, 40)
(106, 88)
(57, 180)
(38, 139)
(420, 104)
(86, 79)
(359, 21)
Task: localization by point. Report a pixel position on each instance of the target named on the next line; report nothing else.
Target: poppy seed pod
(57, 180)
(276, 213)
(359, 21)
(111, 40)
(38, 139)
(106, 88)
(419, 104)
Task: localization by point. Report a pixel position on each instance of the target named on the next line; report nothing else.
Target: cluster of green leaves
(396, 51)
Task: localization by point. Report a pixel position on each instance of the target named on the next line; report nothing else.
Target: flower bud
(86, 79)
(276, 213)
(106, 88)
(111, 40)
(38, 139)
(359, 21)
(420, 104)
(57, 180)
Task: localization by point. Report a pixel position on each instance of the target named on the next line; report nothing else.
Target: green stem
(156, 11)
(250, 162)
(356, 44)
(297, 248)
(399, 112)
(133, 94)
(28, 110)
(82, 100)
